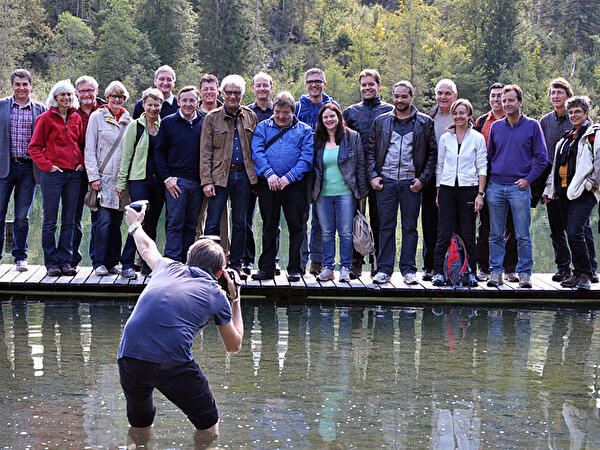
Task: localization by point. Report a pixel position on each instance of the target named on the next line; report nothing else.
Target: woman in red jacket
(56, 148)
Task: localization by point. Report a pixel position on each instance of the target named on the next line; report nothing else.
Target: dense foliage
(528, 42)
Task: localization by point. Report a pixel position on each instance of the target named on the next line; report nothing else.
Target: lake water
(317, 376)
(540, 235)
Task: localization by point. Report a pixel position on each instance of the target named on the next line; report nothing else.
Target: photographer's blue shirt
(176, 305)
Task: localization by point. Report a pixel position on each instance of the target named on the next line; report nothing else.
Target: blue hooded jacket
(308, 112)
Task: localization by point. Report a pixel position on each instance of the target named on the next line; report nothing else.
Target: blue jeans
(182, 218)
(238, 190)
(336, 213)
(78, 231)
(153, 190)
(108, 237)
(396, 193)
(59, 187)
(500, 197)
(20, 178)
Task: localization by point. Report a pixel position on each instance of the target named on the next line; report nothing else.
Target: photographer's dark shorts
(184, 384)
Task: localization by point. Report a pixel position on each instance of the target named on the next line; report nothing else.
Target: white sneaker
(101, 271)
(345, 275)
(22, 265)
(381, 278)
(410, 278)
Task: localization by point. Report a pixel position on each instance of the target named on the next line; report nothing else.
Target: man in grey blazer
(17, 118)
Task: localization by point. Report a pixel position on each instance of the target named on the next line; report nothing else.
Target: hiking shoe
(263, 275)
(101, 271)
(381, 278)
(129, 274)
(326, 275)
(294, 276)
(410, 278)
(315, 268)
(247, 268)
(355, 271)
(22, 265)
(525, 281)
(438, 280)
(115, 270)
(495, 280)
(571, 282)
(68, 270)
(584, 283)
(482, 276)
(345, 275)
(561, 275)
(472, 281)
(428, 275)
(53, 272)
(595, 278)
(511, 277)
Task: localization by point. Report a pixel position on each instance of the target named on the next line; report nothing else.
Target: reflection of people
(156, 347)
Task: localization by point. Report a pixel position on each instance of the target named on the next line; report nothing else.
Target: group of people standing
(209, 161)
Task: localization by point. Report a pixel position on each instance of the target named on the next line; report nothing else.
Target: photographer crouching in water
(156, 348)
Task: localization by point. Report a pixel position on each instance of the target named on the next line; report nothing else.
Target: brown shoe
(53, 272)
(68, 270)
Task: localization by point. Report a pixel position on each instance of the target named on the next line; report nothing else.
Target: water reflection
(318, 376)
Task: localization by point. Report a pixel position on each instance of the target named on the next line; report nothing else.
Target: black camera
(137, 206)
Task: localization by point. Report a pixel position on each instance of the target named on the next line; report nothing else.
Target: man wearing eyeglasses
(164, 80)
(307, 111)
(226, 166)
(86, 88)
(209, 90)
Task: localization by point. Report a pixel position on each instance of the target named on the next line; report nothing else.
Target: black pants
(292, 200)
(576, 220)
(429, 223)
(483, 246)
(562, 254)
(357, 258)
(456, 206)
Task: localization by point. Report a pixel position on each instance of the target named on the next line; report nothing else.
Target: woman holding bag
(103, 140)
(138, 172)
(340, 180)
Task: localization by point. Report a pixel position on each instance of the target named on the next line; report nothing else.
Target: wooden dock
(85, 284)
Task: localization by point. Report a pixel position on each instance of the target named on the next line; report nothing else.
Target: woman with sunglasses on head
(340, 180)
(55, 148)
(103, 141)
(575, 182)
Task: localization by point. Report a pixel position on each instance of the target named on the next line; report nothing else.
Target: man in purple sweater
(517, 155)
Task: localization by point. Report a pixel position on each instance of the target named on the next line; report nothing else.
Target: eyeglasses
(85, 91)
(314, 82)
(209, 89)
(118, 98)
(232, 93)
(572, 112)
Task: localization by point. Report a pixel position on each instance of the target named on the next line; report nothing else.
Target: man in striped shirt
(17, 119)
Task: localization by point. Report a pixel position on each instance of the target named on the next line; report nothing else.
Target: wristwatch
(482, 193)
(134, 226)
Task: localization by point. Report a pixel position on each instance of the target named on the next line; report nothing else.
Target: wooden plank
(5, 268)
(545, 279)
(298, 284)
(282, 281)
(10, 275)
(367, 282)
(391, 285)
(120, 281)
(64, 279)
(311, 281)
(37, 277)
(270, 283)
(82, 275)
(92, 279)
(49, 280)
(356, 285)
(109, 279)
(23, 277)
(252, 283)
(341, 285)
(140, 280)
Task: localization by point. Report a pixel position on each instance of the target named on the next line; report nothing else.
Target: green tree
(124, 52)
(71, 47)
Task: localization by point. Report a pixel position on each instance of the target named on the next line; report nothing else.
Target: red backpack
(456, 263)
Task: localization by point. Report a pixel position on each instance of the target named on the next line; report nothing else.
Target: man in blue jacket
(307, 111)
(17, 119)
(282, 150)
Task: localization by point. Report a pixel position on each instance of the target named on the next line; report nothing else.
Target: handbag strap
(281, 133)
(112, 149)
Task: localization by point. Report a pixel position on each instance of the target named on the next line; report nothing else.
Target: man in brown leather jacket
(226, 166)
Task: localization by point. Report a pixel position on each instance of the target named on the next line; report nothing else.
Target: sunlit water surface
(317, 376)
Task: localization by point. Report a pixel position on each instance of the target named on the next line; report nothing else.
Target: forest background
(474, 42)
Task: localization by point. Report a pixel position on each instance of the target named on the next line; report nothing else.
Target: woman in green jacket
(138, 171)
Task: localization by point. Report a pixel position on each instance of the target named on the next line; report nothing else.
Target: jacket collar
(372, 102)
